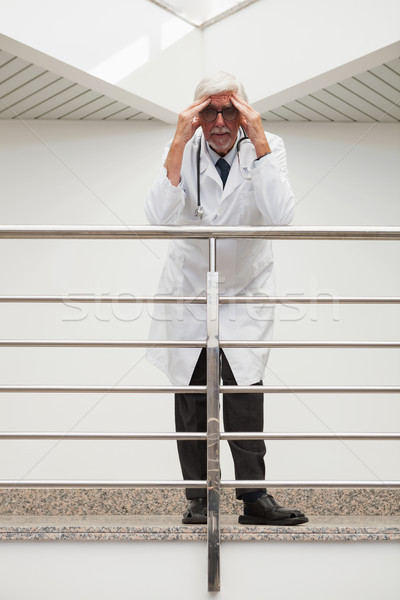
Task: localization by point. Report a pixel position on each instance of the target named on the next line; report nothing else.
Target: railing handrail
(286, 232)
(228, 483)
(328, 344)
(201, 389)
(213, 344)
(237, 435)
(127, 298)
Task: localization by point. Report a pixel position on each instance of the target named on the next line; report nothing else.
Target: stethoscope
(199, 212)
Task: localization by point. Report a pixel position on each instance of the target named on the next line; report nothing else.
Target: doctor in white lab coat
(250, 188)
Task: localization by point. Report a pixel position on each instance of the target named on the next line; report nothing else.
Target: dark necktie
(224, 167)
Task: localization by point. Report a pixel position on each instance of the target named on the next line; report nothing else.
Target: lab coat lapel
(207, 166)
(235, 178)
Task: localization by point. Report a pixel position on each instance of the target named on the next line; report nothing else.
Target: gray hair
(218, 83)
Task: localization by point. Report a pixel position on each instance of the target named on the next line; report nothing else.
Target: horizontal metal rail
(321, 299)
(196, 232)
(243, 435)
(251, 483)
(194, 344)
(309, 344)
(101, 389)
(94, 435)
(79, 483)
(123, 298)
(127, 298)
(201, 389)
(248, 483)
(237, 435)
(102, 344)
(302, 389)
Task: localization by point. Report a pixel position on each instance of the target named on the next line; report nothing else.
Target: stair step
(169, 528)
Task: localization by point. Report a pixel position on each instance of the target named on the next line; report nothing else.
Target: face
(220, 134)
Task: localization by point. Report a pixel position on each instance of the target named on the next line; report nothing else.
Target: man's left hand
(251, 122)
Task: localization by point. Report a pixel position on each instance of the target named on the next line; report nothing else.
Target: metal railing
(213, 345)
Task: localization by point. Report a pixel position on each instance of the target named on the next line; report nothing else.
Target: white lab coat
(245, 266)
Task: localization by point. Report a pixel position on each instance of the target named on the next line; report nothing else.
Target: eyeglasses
(228, 113)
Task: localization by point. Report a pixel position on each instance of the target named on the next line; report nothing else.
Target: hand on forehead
(221, 99)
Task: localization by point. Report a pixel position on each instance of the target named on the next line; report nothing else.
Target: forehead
(221, 99)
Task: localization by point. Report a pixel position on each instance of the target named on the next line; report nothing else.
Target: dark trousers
(242, 412)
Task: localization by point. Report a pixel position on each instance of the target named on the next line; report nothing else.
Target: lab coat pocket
(263, 285)
(262, 262)
(172, 276)
(248, 211)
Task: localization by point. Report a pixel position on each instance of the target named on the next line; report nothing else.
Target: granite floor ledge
(147, 501)
(140, 528)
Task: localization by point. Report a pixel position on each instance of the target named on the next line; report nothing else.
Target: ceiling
(38, 85)
(205, 13)
(28, 91)
(372, 95)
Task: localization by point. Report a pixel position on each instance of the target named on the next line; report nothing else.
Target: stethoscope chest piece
(199, 212)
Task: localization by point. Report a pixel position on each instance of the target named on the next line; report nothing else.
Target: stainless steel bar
(307, 344)
(237, 435)
(301, 389)
(121, 299)
(213, 424)
(103, 344)
(170, 232)
(243, 435)
(82, 483)
(212, 256)
(128, 299)
(312, 484)
(200, 389)
(122, 389)
(309, 299)
(40, 435)
(193, 344)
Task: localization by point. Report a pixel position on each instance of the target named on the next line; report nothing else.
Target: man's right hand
(188, 122)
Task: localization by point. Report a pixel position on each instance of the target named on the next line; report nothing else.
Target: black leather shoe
(266, 511)
(196, 512)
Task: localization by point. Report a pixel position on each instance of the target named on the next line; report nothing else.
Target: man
(249, 186)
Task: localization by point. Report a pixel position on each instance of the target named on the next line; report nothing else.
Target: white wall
(177, 570)
(99, 173)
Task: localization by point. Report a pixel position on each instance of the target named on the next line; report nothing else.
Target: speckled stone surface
(167, 528)
(150, 501)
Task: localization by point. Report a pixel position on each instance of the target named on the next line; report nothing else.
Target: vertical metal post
(213, 425)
